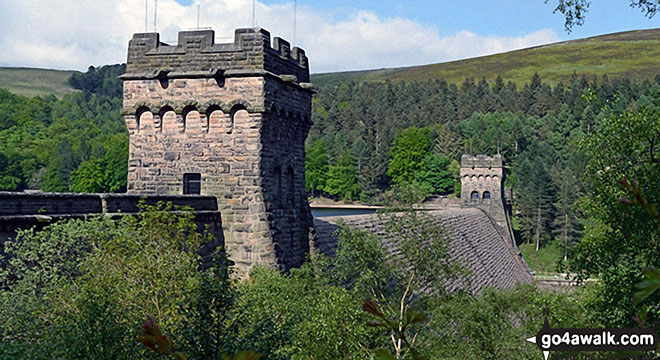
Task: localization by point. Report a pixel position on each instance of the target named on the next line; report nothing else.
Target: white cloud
(73, 34)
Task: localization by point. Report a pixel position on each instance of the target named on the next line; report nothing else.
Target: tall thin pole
(146, 15)
(254, 7)
(295, 11)
(198, 6)
(155, 14)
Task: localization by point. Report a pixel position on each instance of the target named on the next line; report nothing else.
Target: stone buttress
(227, 120)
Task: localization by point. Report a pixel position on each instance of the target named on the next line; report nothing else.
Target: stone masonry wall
(236, 114)
(26, 210)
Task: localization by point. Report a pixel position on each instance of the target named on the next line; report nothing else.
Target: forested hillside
(78, 143)
(368, 139)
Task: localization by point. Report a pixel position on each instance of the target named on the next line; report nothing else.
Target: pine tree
(542, 189)
(567, 226)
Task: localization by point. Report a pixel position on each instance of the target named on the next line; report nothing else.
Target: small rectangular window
(192, 184)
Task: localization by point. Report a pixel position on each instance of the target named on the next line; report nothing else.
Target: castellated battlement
(197, 55)
(495, 161)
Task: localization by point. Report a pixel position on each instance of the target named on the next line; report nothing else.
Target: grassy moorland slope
(635, 54)
(33, 82)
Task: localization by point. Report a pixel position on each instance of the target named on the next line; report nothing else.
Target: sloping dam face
(475, 242)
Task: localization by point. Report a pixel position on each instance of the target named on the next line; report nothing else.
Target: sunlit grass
(35, 82)
(634, 54)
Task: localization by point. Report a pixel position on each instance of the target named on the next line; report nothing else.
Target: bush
(300, 315)
(81, 288)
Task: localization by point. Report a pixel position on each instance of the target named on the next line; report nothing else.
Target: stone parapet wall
(21, 203)
(27, 210)
(495, 161)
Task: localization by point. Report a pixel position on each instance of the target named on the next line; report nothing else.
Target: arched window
(486, 195)
(217, 121)
(239, 117)
(474, 195)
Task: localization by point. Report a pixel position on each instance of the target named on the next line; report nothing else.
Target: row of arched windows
(213, 120)
(480, 177)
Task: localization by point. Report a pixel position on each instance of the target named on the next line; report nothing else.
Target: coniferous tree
(541, 191)
(524, 203)
(567, 225)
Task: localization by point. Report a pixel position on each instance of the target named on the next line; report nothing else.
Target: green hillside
(33, 82)
(635, 54)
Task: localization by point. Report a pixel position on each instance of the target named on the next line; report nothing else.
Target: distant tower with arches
(482, 186)
(227, 120)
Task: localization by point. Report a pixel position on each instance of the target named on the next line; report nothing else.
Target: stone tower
(227, 120)
(482, 186)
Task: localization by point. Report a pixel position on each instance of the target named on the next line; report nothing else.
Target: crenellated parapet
(198, 56)
(482, 161)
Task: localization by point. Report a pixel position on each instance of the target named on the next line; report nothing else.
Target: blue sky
(337, 35)
(497, 17)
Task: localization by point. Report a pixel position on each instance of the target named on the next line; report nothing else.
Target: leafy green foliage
(206, 331)
(342, 179)
(435, 172)
(316, 167)
(622, 146)
(300, 316)
(491, 324)
(400, 328)
(103, 81)
(408, 152)
(78, 287)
